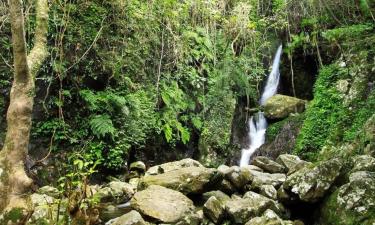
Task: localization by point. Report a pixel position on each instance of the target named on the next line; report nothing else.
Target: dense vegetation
(127, 76)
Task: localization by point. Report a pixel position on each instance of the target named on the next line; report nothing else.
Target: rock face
(162, 204)
(311, 184)
(280, 106)
(170, 166)
(268, 165)
(131, 218)
(189, 180)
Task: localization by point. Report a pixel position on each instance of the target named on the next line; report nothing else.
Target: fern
(101, 126)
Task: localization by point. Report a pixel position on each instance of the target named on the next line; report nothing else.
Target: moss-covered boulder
(162, 204)
(259, 179)
(116, 192)
(280, 106)
(351, 204)
(189, 180)
(311, 184)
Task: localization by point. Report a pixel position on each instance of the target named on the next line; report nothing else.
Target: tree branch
(39, 52)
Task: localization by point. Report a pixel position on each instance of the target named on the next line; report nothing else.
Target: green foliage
(101, 125)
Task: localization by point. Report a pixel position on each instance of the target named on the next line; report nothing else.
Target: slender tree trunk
(14, 183)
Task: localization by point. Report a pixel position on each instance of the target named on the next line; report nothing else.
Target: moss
(275, 128)
(14, 215)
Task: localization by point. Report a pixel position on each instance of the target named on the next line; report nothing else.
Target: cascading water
(258, 123)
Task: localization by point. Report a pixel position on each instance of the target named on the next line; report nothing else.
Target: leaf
(101, 125)
(167, 132)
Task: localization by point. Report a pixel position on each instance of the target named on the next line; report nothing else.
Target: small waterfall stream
(258, 123)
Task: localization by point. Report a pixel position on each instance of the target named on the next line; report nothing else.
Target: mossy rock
(351, 204)
(281, 106)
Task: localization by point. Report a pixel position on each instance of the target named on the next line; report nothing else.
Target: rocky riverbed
(285, 191)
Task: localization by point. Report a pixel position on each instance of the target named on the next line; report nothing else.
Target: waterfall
(258, 123)
(273, 79)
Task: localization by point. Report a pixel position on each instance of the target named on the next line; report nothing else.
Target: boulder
(311, 184)
(162, 204)
(131, 218)
(352, 203)
(138, 166)
(364, 163)
(226, 187)
(269, 217)
(259, 179)
(189, 180)
(109, 211)
(44, 209)
(280, 106)
(268, 191)
(214, 209)
(239, 176)
(219, 195)
(290, 162)
(170, 166)
(359, 175)
(251, 205)
(115, 191)
(192, 219)
(268, 165)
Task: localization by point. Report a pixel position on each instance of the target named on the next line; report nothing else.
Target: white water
(258, 123)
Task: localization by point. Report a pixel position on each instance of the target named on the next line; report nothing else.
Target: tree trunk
(14, 183)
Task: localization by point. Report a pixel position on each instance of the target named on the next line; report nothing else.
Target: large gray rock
(259, 179)
(170, 166)
(280, 106)
(242, 210)
(44, 209)
(162, 204)
(311, 184)
(269, 217)
(268, 191)
(214, 209)
(352, 203)
(131, 218)
(268, 165)
(115, 191)
(239, 176)
(291, 162)
(219, 195)
(186, 180)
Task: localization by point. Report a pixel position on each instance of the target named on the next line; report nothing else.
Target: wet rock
(116, 192)
(131, 218)
(189, 180)
(162, 204)
(280, 106)
(268, 165)
(269, 217)
(170, 166)
(352, 203)
(214, 209)
(311, 184)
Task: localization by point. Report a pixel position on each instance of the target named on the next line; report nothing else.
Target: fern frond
(101, 125)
